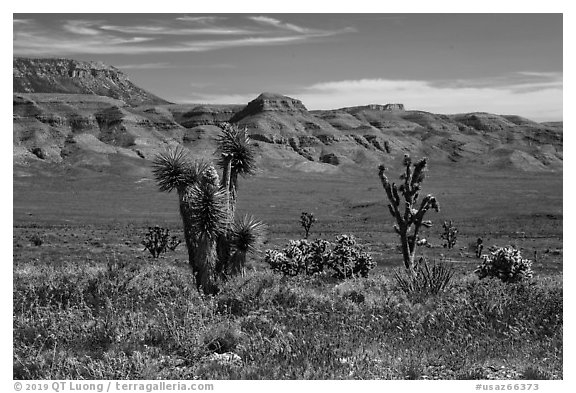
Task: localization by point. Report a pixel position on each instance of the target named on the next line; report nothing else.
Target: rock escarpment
(270, 102)
(77, 77)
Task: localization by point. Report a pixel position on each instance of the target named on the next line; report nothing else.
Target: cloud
(542, 104)
(520, 81)
(21, 21)
(32, 43)
(201, 19)
(531, 100)
(266, 20)
(144, 66)
(82, 27)
(165, 65)
(79, 36)
(44, 45)
(161, 30)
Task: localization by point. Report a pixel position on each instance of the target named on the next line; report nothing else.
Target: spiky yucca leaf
(208, 210)
(234, 145)
(246, 234)
(173, 170)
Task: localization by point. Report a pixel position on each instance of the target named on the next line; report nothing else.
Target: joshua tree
(306, 220)
(173, 170)
(479, 247)
(200, 200)
(207, 206)
(235, 155)
(449, 234)
(410, 220)
(209, 218)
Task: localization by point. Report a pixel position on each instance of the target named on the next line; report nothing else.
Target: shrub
(346, 258)
(222, 338)
(425, 279)
(534, 374)
(300, 256)
(36, 240)
(507, 264)
(158, 241)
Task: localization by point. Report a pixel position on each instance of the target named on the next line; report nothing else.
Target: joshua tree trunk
(205, 257)
(237, 263)
(407, 251)
(188, 231)
(226, 184)
(233, 193)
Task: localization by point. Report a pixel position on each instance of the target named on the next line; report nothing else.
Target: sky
(442, 63)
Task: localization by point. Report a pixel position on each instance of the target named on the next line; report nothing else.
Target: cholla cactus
(449, 234)
(408, 214)
(346, 258)
(507, 264)
(158, 241)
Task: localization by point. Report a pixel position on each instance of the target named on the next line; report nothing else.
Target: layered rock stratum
(69, 76)
(79, 113)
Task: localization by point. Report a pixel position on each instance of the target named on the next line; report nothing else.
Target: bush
(300, 256)
(507, 264)
(222, 338)
(347, 258)
(158, 241)
(36, 240)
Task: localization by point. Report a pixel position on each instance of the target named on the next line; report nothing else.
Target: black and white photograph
(201, 197)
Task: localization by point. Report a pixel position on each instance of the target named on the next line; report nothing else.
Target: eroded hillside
(84, 129)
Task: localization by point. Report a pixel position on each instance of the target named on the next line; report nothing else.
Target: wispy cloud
(163, 30)
(161, 35)
(48, 46)
(21, 21)
(82, 27)
(520, 81)
(144, 66)
(31, 43)
(166, 65)
(266, 20)
(201, 19)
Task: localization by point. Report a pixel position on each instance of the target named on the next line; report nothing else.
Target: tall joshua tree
(236, 156)
(408, 214)
(207, 206)
(206, 202)
(202, 209)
